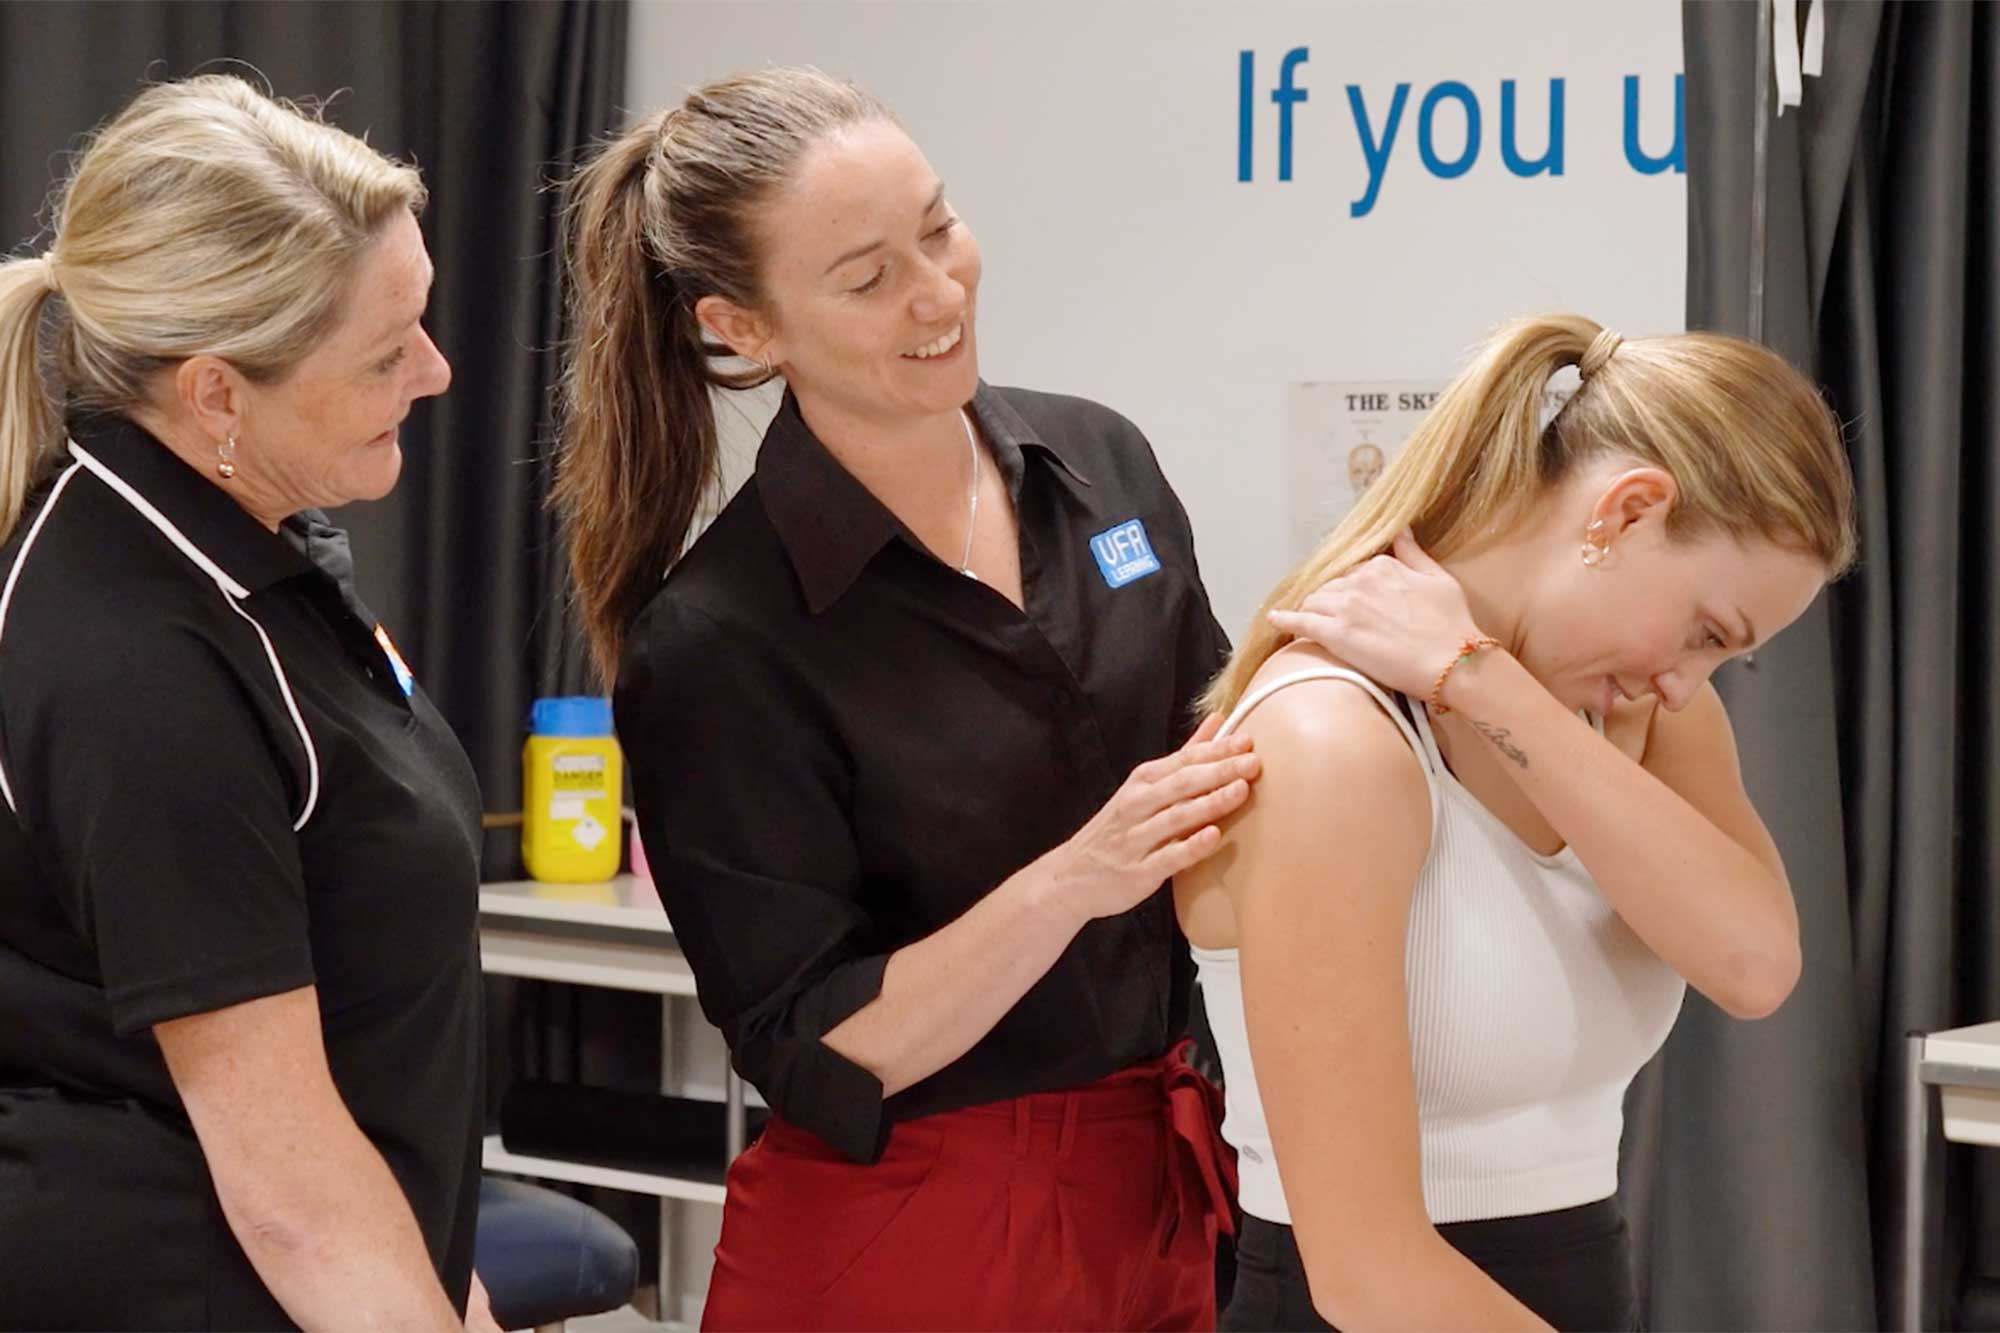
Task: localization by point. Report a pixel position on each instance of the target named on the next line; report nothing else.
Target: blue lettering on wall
(1643, 162)
(1246, 103)
(1426, 124)
(1375, 153)
(1551, 159)
(1377, 142)
(1285, 95)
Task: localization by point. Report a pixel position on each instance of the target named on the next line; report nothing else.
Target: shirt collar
(200, 511)
(832, 526)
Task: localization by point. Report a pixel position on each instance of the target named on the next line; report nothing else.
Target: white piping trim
(232, 593)
(14, 576)
(159, 520)
(292, 707)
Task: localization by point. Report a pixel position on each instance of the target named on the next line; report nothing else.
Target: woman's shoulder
(1303, 690)
(1319, 729)
(1064, 412)
(1101, 443)
(1342, 791)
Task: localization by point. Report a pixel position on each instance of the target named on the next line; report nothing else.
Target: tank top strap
(1400, 712)
(1422, 713)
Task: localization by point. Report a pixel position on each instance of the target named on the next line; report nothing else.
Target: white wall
(1093, 148)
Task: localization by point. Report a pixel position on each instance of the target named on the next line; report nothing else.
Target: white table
(614, 935)
(1963, 1064)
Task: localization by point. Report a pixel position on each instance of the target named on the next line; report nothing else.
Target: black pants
(1573, 1268)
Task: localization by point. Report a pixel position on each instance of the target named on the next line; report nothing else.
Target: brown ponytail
(660, 218)
(1752, 446)
(639, 444)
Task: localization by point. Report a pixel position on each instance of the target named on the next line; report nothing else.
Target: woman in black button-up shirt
(240, 1033)
(903, 729)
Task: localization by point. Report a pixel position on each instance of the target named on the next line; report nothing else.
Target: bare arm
(307, 1195)
(1674, 844)
(943, 993)
(1321, 885)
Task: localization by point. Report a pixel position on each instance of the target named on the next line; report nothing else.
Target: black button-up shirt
(216, 788)
(839, 744)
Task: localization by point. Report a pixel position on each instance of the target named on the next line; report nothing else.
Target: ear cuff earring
(1596, 543)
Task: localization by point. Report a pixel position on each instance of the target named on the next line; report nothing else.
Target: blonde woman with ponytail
(1501, 827)
(903, 727)
(240, 1030)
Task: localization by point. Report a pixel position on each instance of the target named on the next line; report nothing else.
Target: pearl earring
(225, 457)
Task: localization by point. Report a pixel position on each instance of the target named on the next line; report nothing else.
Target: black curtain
(1865, 221)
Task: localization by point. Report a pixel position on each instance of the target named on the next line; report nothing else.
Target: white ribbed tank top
(1531, 1006)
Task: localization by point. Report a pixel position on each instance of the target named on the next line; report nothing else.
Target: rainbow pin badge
(396, 662)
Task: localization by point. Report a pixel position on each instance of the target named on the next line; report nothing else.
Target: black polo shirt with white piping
(221, 783)
(839, 743)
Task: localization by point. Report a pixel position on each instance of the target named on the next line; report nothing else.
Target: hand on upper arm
(1326, 859)
(1694, 753)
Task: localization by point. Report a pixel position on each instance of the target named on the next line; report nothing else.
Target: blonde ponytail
(207, 217)
(1750, 443)
(30, 421)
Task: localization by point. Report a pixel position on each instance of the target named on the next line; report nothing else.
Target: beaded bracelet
(1466, 652)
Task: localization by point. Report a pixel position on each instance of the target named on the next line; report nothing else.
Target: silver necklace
(972, 501)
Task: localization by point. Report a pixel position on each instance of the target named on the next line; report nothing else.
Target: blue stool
(545, 1258)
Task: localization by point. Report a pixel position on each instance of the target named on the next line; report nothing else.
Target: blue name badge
(1124, 554)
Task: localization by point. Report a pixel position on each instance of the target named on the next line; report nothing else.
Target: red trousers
(1090, 1209)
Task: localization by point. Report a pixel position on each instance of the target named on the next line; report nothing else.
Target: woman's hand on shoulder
(1396, 619)
(1163, 819)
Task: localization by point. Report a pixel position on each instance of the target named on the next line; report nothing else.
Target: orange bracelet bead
(1466, 652)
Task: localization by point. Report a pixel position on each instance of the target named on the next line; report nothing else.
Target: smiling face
(870, 281)
(1656, 614)
(326, 434)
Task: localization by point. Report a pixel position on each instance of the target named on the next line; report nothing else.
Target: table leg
(1916, 1188)
(734, 1114)
(669, 1289)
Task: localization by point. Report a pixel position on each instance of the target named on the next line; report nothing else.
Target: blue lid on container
(574, 715)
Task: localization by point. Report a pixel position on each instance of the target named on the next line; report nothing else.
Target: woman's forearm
(943, 993)
(331, 1234)
(1411, 1281)
(1700, 899)
(307, 1196)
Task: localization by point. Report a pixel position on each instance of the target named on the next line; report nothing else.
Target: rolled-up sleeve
(741, 788)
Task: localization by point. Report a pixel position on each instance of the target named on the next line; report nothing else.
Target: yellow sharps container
(572, 788)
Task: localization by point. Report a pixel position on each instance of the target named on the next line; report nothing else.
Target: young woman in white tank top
(1500, 826)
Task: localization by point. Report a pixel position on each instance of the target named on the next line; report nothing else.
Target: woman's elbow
(272, 1225)
(1760, 982)
(1354, 1285)
(1356, 1301)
